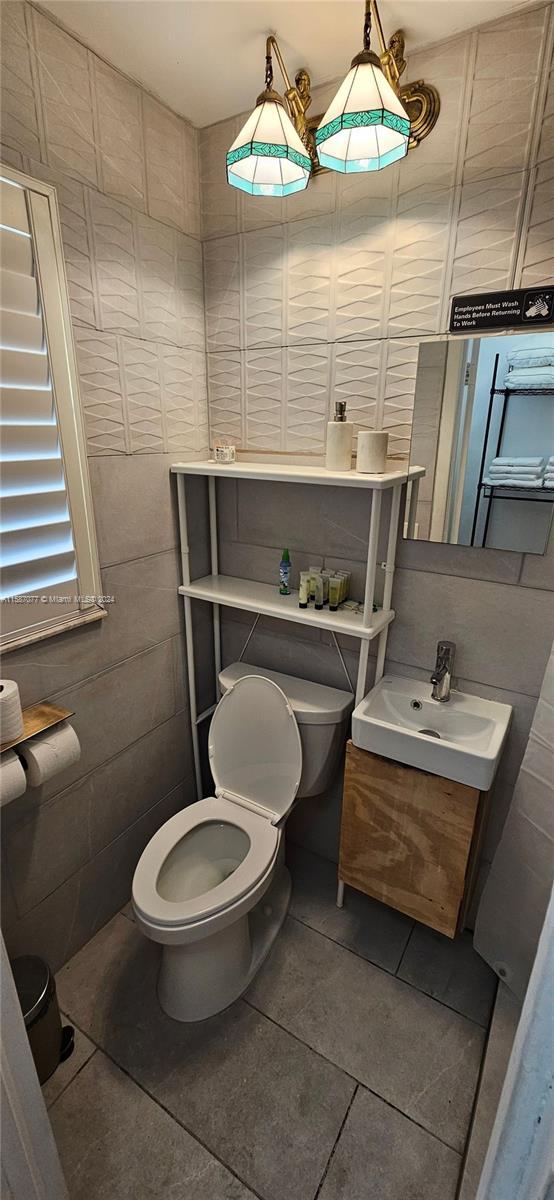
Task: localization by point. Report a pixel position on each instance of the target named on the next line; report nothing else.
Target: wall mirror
(483, 429)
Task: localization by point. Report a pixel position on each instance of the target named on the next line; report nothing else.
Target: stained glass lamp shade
(366, 126)
(268, 158)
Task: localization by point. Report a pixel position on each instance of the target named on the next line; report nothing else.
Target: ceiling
(205, 58)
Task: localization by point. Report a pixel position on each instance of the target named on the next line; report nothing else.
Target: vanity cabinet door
(406, 837)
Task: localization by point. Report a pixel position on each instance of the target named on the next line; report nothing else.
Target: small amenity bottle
(338, 453)
(284, 574)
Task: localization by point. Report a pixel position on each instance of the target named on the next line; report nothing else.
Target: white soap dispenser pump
(338, 453)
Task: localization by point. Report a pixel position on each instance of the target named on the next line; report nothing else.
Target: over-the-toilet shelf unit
(264, 599)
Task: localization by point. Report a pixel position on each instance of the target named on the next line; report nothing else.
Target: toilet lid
(255, 749)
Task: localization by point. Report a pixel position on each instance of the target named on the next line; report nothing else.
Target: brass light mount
(421, 100)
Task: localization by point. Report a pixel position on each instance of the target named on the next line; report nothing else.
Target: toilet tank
(323, 716)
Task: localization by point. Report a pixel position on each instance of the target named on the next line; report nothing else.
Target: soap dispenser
(338, 453)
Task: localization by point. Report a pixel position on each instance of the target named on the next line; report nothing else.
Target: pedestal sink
(461, 739)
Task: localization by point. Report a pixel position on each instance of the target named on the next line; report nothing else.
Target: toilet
(211, 885)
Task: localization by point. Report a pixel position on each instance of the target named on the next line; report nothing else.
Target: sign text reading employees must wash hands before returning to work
(503, 310)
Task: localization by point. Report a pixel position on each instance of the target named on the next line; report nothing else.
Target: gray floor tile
(82, 1051)
(507, 1012)
(115, 1143)
(267, 1106)
(412, 1051)
(383, 1156)
(450, 971)
(371, 929)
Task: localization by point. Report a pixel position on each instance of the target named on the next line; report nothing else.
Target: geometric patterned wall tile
(435, 161)
(120, 140)
(355, 378)
(486, 234)
(66, 92)
(190, 292)
(262, 255)
(309, 279)
(115, 264)
(76, 237)
(318, 198)
(225, 395)
(264, 398)
(165, 164)
(308, 381)
(546, 142)
(400, 372)
(143, 396)
(501, 112)
(157, 278)
(20, 119)
(219, 201)
(222, 288)
(259, 212)
(101, 392)
(537, 259)
(192, 179)
(362, 243)
(420, 248)
(177, 378)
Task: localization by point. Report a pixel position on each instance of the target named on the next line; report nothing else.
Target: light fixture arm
(272, 45)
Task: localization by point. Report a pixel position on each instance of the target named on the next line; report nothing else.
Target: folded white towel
(517, 462)
(495, 481)
(551, 461)
(516, 475)
(516, 470)
(549, 483)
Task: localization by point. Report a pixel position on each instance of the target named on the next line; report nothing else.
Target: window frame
(54, 298)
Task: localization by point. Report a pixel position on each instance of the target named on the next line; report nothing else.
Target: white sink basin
(461, 739)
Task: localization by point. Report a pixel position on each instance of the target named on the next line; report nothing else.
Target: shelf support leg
(189, 643)
(389, 577)
(215, 571)
(340, 894)
(412, 514)
(373, 545)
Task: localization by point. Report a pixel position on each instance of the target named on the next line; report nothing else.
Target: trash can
(36, 989)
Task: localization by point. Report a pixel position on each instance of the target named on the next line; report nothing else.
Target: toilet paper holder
(36, 719)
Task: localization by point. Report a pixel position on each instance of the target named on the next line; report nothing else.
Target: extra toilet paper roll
(12, 777)
(11, 717)
(49, 753)
(371, 458)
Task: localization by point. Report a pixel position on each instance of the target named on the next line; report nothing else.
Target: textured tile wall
(126, 173)
(338, 286)
(126, 176)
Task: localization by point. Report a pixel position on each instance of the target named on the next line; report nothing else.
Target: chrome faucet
(442, 675)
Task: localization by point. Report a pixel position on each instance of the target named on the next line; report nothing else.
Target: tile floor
(347, 1072)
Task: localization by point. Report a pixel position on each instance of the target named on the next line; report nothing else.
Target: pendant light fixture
(366, 126)
(268, 158)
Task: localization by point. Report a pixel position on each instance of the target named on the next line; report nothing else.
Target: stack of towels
(549, 473)
(517, 472)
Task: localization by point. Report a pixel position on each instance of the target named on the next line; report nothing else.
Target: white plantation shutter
(48, 563)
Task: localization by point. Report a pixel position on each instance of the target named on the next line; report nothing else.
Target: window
(49, 573)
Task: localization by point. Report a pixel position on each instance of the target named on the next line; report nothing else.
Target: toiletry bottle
(284, 574)
(318, 591)
(304, 589)
(338, 454)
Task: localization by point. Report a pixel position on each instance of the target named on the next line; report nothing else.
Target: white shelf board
(264, 598)
(293, 473)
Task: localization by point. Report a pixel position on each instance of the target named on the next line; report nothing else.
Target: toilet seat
(264, 842)
(256, 760)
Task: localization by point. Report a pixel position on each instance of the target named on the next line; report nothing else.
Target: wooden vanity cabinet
(409, 839)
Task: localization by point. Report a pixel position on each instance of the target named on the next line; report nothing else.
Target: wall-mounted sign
(503, 310)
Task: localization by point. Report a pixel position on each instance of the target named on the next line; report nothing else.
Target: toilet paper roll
(49, 753)
(12, 777)
(11, 716)
(372, 451)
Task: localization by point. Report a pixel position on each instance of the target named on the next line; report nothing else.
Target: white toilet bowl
(211, 885)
